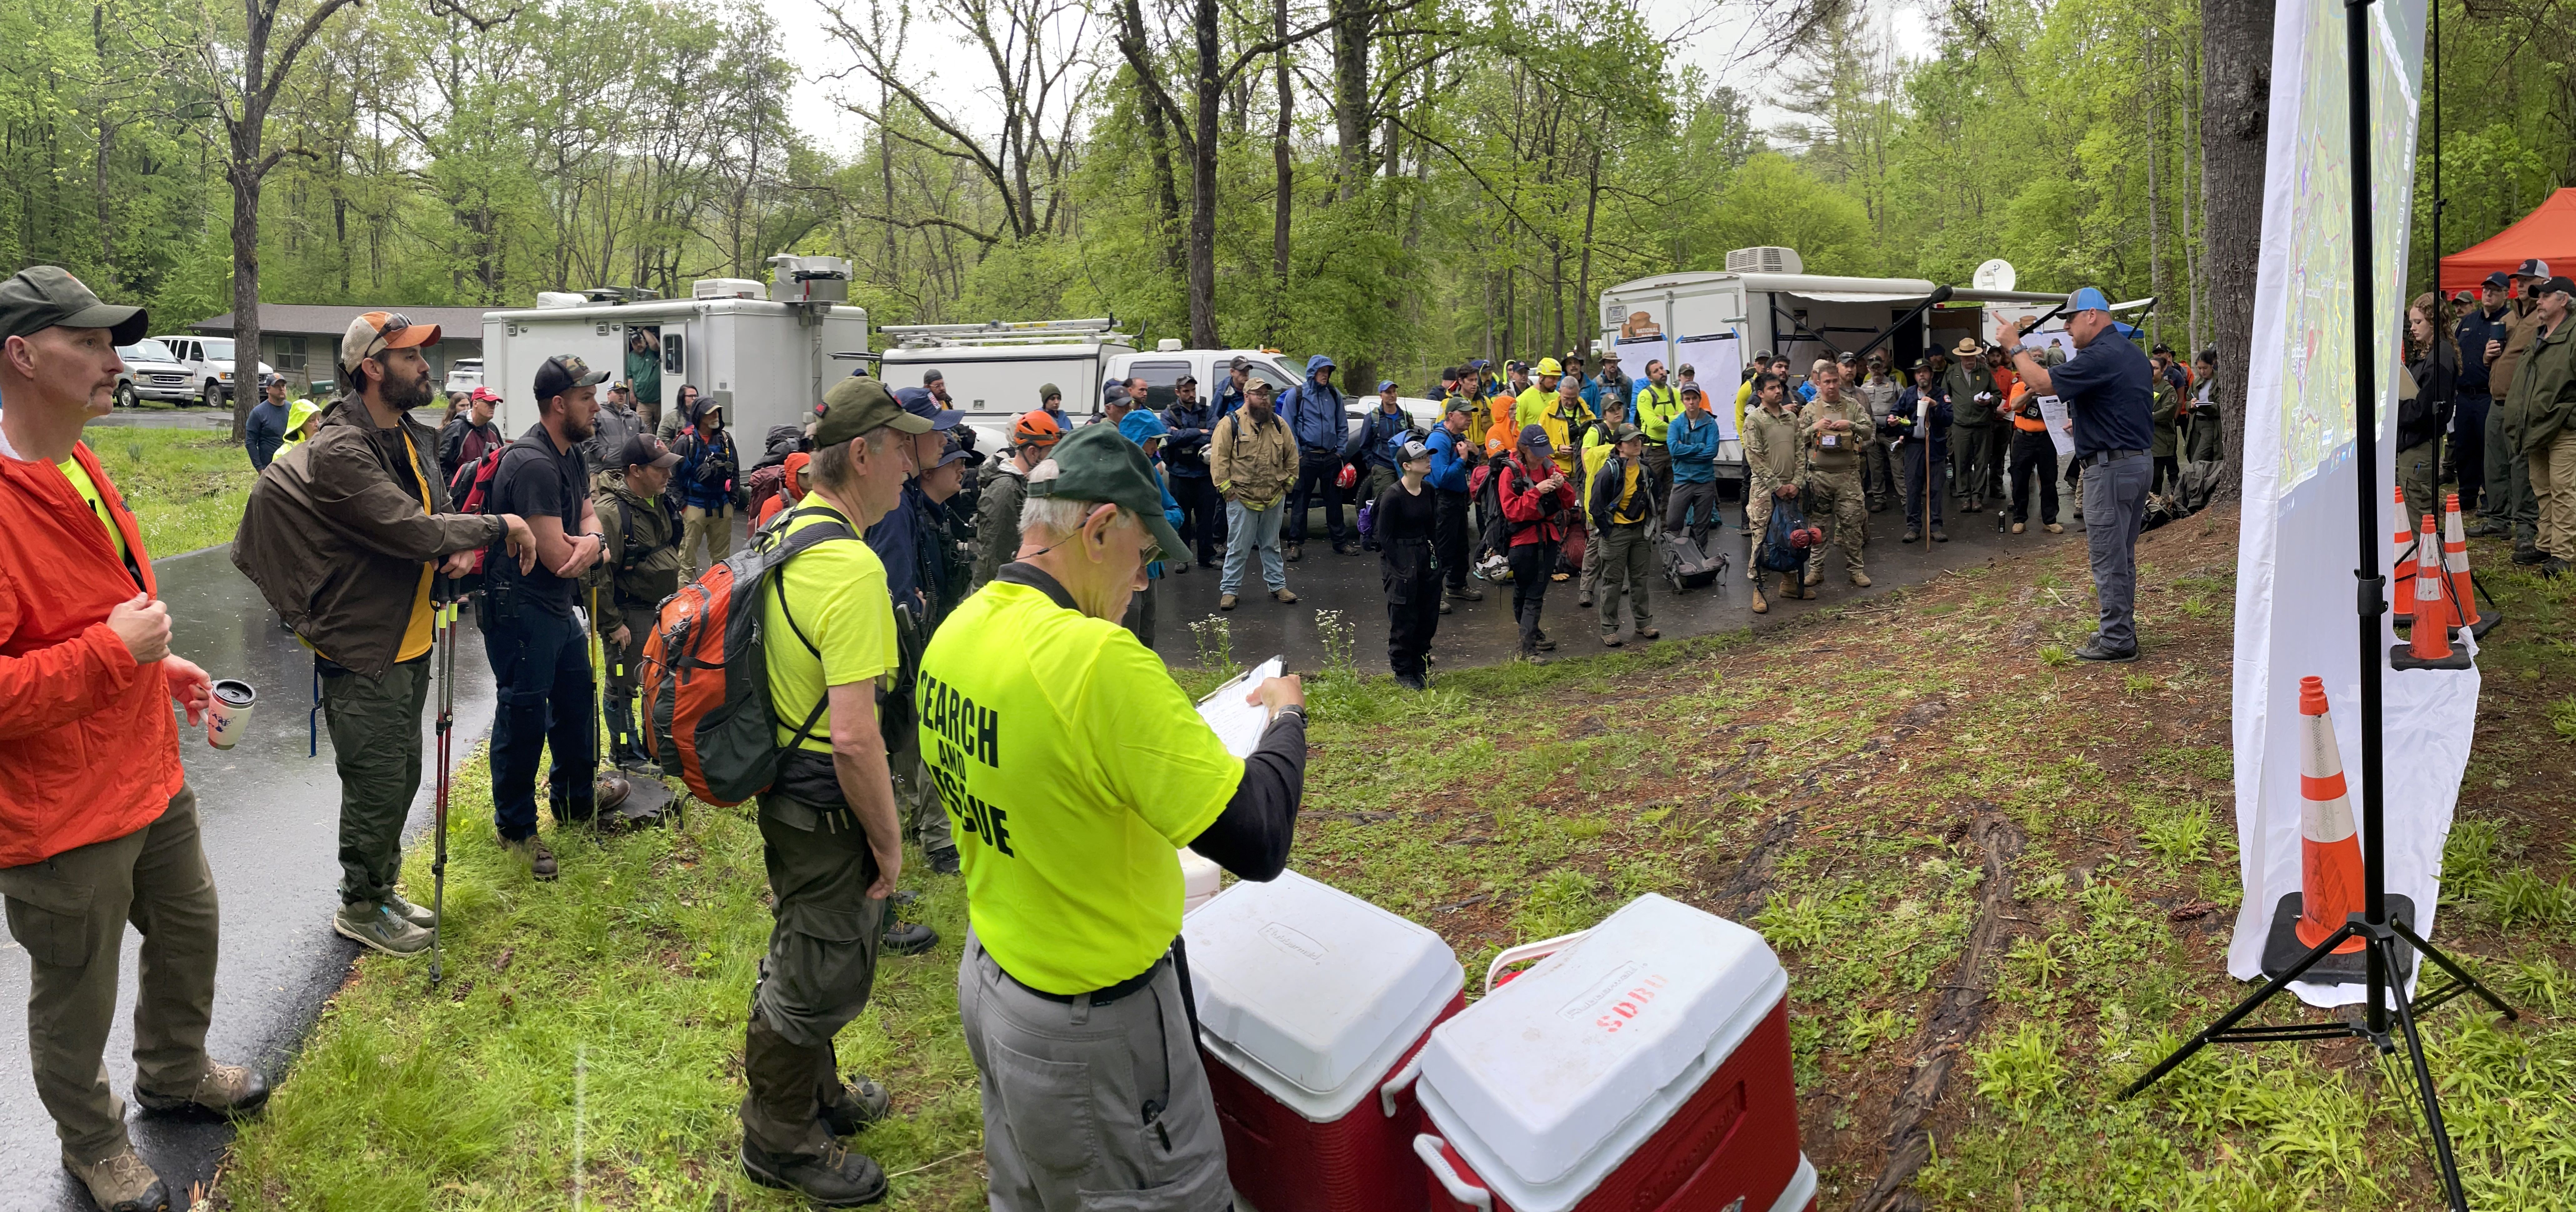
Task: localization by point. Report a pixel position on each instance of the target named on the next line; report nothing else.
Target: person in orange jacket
(97, 824)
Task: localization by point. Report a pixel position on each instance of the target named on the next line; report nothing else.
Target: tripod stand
(2381, 934)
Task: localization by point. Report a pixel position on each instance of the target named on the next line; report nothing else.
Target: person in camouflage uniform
(1833, 426)
(1772, 460)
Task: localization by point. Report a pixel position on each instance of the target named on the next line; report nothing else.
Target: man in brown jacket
(1252, 458)
(343, 535)
(1772, 462)
(2519, 510)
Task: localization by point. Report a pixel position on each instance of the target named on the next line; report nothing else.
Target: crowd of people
(950, 635)
(2491, 404)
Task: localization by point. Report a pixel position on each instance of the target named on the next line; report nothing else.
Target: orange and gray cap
(377, 331)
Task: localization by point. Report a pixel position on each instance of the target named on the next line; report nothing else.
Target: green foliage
(185, 486)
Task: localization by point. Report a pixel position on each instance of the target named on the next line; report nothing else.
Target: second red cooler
(1309, 1000)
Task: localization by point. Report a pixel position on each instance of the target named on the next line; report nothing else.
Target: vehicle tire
(213, 396)
(125, 397)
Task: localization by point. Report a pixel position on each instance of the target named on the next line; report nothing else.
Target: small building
(302, 340)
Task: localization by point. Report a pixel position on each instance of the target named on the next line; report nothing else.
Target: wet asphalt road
(270, 818)
(271, 813)
(1484, 633)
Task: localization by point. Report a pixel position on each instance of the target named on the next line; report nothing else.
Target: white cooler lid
(1550, 1082)
(1311, 992)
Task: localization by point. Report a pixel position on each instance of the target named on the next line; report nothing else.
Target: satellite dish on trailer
(1995, 274)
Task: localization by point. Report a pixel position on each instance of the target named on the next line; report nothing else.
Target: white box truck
(769, 361)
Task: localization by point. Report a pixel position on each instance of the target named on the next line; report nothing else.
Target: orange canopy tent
(2548, 232)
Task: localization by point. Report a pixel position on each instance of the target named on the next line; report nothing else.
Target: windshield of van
(218, 349)
(146, 350)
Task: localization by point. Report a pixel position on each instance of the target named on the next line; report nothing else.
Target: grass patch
(185, 486)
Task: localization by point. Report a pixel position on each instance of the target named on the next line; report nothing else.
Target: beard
(580, 429)
(406, 395)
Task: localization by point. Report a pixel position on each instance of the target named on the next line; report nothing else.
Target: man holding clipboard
(2108, 389)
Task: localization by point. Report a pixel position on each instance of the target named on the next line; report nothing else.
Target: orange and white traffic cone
(2430, 644)
(2455, 561)
(2401, 595)
(2329, 848)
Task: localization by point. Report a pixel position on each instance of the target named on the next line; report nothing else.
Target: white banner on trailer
(1717, 365)
(2294, 590)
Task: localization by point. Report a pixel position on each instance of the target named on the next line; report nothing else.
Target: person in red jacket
(1538, 503)
(97, 825)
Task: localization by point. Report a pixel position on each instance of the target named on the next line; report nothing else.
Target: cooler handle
(1427, 1147)
(1528, 951)
(1395, 1085)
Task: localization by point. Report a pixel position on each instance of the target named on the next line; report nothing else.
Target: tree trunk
(1203, 149)
(2154, 97)
(106, 153)
(246, 174)
(2236, 64)
(1351, 93)
(1284, 169)
(1167, 196)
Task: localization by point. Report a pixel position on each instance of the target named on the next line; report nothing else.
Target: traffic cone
(2329, 850)
(2401, 596)
(2430, 646)
(2455, 560)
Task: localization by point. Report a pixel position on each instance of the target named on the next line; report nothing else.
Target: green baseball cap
(857, 405)
(1097, 463)
(48, 296)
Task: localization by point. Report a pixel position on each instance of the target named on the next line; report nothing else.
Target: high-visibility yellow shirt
(416, 634)
(88, 489)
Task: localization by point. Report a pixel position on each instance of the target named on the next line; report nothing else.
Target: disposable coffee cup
(230, 713)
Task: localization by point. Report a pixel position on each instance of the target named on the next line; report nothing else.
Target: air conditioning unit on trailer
(1765, 259)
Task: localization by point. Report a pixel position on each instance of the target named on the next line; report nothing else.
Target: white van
(209, 361)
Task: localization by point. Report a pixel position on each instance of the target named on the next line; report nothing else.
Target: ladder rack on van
(998, 332)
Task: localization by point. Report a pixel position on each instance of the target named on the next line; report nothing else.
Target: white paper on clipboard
(2052, 411)
(1237, 723)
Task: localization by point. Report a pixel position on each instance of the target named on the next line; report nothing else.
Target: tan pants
(712, 530)
(2553, 485)
(70, 913)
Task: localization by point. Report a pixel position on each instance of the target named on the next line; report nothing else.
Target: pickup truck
(210, 366)
(152, 372)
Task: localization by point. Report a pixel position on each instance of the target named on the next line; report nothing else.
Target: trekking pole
(442, 638)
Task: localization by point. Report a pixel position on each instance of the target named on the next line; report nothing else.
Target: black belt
(1099, 997)
(2104, 456)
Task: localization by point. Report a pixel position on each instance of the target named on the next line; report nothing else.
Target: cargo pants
(70, 913)
(625, 742)
(1627, 562)
(820, 967)
(2419, 474)
(1839, 493)
(2509, 499)
(1091, 1106)
(375, 744)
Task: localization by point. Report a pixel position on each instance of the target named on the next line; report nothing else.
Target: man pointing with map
(2108, 388)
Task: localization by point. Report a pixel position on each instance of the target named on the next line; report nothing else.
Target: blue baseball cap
(2087, 299)
(1141, 424)
(1386, 385)
(919, 402)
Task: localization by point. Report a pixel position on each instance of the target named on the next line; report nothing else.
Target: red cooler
(1309, 999)
(1642, 1067)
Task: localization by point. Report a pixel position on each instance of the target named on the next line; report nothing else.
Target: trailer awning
(1857, 296)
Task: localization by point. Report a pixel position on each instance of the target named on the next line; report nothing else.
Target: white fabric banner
(1718, 365)
(2294, 561)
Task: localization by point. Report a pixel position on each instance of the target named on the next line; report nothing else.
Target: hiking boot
(907, 938)
(856, 1108)
(2484, 528)
(378, 928)
(2554, 567)
(1345, 549)
(121, 1183)
(1531, 658)
(1226, 601)
(223, 1092)
(415, 914)
(1912, 535)
(2054, 528)
(2527, 555)
(1610, 639)
(1295, 552)
(1815, 574)
(2018, 528)
(541, 861)
(1584, 601)
(943, 860)
(1446, 608)
(1860, 579)
(1411, 681)
(1179, 568)
(2095, 650)
(1545, 644)
(1467, 592)
(838, 1179)
(1283, 596)
(1939, 535)
(1760, 604)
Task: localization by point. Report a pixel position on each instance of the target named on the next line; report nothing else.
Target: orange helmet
(1035, 429)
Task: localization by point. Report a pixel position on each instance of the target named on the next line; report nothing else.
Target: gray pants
(821, 964)
(1091, 1106)
(1693, 508)
(916, 795)
(375, 742)
(2509, 499)
(1588, 578)
(2115, 508)
(70, 913)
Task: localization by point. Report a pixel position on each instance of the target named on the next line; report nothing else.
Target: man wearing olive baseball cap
(833, 840)
(97, 822)
(1073, 766)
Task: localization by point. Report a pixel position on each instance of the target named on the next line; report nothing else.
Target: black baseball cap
(48, 296)
(2497, 281)
(931, 376)
(2554, 286)
(562, 373)
(1186, 380)
(642, 450)
(1239, 362)
(1098, 463)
